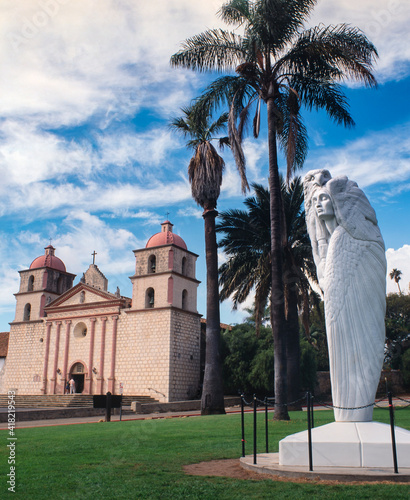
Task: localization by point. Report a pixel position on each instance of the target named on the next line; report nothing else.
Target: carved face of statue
(323, 205)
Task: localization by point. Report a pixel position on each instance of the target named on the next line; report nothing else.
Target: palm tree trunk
(277, 296)
(212, 401)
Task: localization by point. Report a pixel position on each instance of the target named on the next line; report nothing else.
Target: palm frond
(328, 96)
(235, 141)
(257, 120)
(235, 12)
(331, 53)
(276, 22)
(293, 135)
(215, 49)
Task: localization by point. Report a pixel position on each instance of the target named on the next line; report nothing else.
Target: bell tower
(44, 281)
(165, 273)
(164, 303)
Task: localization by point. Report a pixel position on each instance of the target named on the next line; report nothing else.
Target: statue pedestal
(347, 444)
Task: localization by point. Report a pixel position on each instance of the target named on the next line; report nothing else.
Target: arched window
(149, 298)
(27, 312)
(152, 264)
(184, 299)
(30, 287)
(184, 266)
(77, 368)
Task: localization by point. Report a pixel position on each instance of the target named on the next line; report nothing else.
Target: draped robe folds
(355, 303)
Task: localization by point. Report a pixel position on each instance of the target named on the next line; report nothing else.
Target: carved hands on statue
(321, 265)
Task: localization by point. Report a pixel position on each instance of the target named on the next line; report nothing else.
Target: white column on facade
(66, 347)
(102, 354)
(57, 347)
(111, 380)
(89, 385)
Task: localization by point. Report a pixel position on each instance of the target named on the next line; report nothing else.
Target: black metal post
(309, 432)
(108, 408)
(311, 412)
(266, 425)
(254, 429)
(243, 425)
(393, 437)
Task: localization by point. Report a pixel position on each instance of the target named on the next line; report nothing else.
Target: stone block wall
(184, 371)
(143, 353)
(25, 358)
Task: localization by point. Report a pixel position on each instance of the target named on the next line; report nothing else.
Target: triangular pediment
(83, 295)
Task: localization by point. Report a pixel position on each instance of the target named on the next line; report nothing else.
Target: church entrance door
(77, 373)
(79, 383)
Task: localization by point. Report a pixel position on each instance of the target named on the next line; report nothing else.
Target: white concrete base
(347, 444)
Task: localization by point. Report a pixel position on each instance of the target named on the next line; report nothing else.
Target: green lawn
(144, 459)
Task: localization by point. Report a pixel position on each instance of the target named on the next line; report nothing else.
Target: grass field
(144, 459)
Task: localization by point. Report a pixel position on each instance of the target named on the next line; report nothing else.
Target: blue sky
(87, 158)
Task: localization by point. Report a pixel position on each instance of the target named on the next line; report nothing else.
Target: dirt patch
(227, 468)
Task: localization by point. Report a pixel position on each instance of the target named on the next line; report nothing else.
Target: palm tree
(282, 65)
(205, 175)
(396, 276)
(246, 241)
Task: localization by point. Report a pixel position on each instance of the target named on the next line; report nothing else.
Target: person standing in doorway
(72, 386)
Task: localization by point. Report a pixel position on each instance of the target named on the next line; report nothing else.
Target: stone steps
(64, 400)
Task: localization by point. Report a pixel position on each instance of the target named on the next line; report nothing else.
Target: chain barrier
(272, 402)
(327, 405)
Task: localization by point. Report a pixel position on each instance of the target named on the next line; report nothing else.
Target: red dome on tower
(166, 237)
(48, 260)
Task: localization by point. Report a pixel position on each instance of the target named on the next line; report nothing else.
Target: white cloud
(28, 155)
(398, 259)
(378, 157)
(191, 211)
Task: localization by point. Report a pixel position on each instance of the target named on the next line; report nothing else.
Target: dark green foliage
(405, 360)
(308, 366)
(397, 328)
(248, 360)
(317, 337)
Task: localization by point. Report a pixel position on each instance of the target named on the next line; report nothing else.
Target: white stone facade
(149, 344)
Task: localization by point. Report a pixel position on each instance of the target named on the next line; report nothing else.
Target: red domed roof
(166, 237)
(48, 260)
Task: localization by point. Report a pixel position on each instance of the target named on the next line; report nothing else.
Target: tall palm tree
(396, 276)
(205, 175)
(284, 66)
(246, 241)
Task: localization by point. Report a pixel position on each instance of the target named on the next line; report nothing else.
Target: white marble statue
(349, 254)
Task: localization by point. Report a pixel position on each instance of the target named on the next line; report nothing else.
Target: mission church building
(150, 344)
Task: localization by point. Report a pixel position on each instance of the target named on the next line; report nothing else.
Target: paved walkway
(99, 418)
(133, 416)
